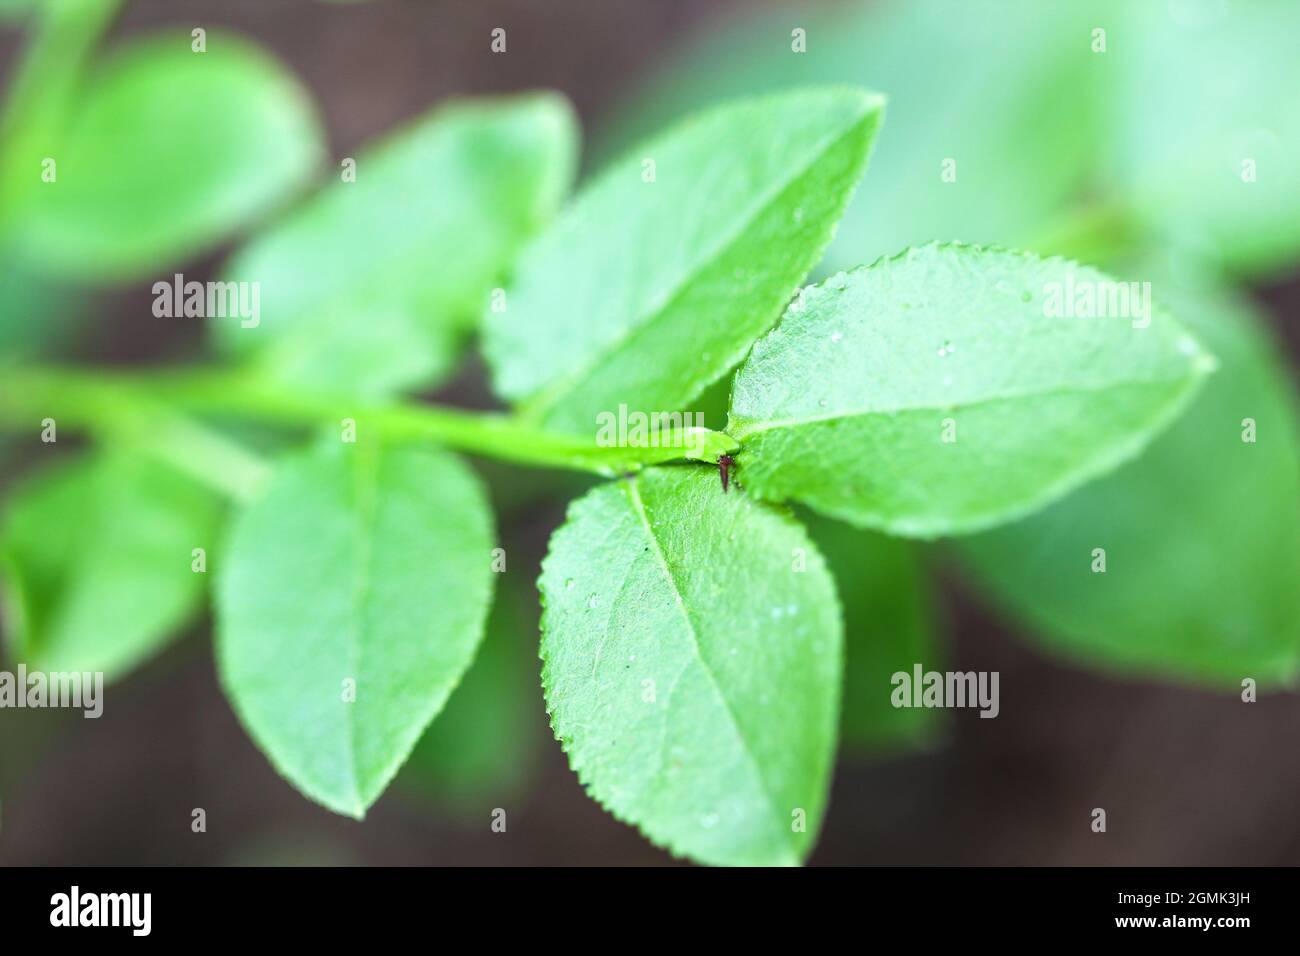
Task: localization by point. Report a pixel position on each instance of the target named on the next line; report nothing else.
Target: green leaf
(664, 270)
(98, 555)
(691, 674)
(166, 152)
(945, 390)
(888, 627)
(373, 285)
(1207, 127)
(362, 573)
(1021, 126)
(1201, 534)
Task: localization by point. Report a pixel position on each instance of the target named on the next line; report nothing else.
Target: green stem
(205, 455)
(99, 400)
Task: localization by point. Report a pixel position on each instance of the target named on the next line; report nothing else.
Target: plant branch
(108, 401)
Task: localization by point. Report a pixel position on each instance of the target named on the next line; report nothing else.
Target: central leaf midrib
(549, 396)
(764, 787)
(365, 469)
(743, 427)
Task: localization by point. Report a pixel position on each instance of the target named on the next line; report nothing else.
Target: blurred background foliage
(1123, 148)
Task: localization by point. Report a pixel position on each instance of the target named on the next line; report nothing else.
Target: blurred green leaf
(1004, 88)
(350, 603)
(36, 316)
(1207, 95)
(691, 671)
(165, 153)
(1201, 534)
(939, 392)
(373, 285)
(42, 89)
(15, 9)
(483, 743)
(888, 627)
(1036, 114)
(98, 554)
(660, 275)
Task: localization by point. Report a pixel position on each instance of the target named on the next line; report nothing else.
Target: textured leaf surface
(166, 152)
(361, 564)
(888, 627)
(938, 392)
(691, 673)
(373, 285)
(97, 552)
(1201, 533)
(644, 292)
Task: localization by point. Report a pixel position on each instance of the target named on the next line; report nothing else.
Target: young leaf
(167, 151)
(954, 387)
(691, 653)
(375, 282)
(1184, 562)
(664, 270)
(98, 552)
(350, 603)
(888, 627)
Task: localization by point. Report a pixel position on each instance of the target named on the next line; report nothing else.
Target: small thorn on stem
(725, 464)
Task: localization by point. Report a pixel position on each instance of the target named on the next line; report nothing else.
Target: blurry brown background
(1185, 777)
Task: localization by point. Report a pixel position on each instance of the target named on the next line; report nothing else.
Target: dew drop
(709, 821)
(837, 336)
(593, 601)
(568, 585)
